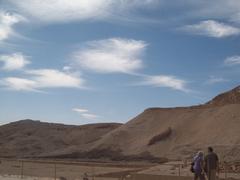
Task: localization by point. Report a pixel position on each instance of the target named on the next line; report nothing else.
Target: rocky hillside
(157, 133)
(230, 97)
(179, 132)
(29, 138)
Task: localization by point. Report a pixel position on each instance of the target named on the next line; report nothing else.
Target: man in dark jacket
(211, 164)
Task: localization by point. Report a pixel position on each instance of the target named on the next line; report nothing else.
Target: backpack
(191, 168)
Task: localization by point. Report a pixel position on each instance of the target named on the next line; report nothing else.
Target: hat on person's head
(200, 153)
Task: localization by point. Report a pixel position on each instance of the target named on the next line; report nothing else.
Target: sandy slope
(29, 138)
(157, 132)
(192, 129)
(217, 123)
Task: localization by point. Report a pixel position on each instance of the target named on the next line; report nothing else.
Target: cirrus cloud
(79, 110)
(50, 78)
(115, 55)
(54, 11)
(165, 81)
(14, 61)
(231, 61)
(215, 80)
(212, 28)
(89, 116)
(85, 113)
(18, 84)
(41, 79)
(7, 21)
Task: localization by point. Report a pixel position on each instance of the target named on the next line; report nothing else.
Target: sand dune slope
(174, 133)
(179, 132)
(29, 138)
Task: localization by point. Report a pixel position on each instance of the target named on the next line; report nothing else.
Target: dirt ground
(66, 170)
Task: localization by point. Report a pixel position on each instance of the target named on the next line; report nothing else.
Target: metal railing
(75, 170)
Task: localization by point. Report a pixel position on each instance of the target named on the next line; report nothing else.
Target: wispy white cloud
(14, 61)
(80, 110)
(52, 11)
(64, 10)
(165, 81)
(118, 55)
(7, 21)
(231, 61)
(86, 114)
(212, 28)
(214, 80)
(221, 9)
(18, 84)
(41, 79)
(50, 78)
(113, 55)
(227, 10)
(67, 68)
(89, 116)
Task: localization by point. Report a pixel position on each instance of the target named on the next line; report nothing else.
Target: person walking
(211, 164)
(198, 166)
(85, 176)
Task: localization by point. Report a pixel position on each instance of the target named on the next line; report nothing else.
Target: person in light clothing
(198, 166)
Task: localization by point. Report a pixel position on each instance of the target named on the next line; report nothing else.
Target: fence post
(225, 170)
(55, 171)
(22, 169)
(92, 172)
(179, 170)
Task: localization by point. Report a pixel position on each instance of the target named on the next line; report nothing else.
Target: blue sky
(80, 61)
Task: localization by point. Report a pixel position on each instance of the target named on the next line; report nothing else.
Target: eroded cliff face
(229, 97)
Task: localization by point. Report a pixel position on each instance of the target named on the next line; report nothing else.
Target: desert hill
(28, 138)
(179, 132)
(229, 97)
(156, 133)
